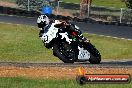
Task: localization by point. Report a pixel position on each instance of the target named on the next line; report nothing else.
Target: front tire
(61, 54)
(95, 57)
(95, 60)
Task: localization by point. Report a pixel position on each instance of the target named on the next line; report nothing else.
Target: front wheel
(95, 57)
(64, 52)
(95, 60)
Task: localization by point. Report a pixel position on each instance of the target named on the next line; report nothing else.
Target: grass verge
(21, 43)
(12, 1)
(111, 48)
(107, 3)
(50, 83)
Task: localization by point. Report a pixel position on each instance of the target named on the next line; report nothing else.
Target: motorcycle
(68, 46)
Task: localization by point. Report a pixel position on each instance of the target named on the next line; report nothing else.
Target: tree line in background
(35, 4)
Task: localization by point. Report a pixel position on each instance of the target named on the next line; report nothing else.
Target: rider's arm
(59, 23)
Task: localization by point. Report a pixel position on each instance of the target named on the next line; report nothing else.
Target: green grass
(50, 83)
(72, 1)
(21, 43)
(111, 48)
(9, 0)
(107, 3)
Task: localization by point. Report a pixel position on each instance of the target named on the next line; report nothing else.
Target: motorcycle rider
(43, 22)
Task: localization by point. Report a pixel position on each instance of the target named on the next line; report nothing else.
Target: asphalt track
(103, 64)
(107, 30)
(123, 32)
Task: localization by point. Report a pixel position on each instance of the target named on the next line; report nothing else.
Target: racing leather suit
(68, 26)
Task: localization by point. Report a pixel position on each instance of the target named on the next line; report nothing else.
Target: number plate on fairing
(83, 54)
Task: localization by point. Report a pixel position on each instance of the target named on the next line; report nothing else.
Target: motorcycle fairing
(50, 34)
(83, 54)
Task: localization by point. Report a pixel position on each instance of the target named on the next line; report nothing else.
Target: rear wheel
(64, 52)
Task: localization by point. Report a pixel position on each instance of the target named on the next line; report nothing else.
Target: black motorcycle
(68, 46)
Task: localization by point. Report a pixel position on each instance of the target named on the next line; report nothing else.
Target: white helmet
(42, 21)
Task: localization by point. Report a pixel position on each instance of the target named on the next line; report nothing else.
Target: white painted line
(16, 24)
(15, 16)
(121, 60)
(110, 36)
(10, 23)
